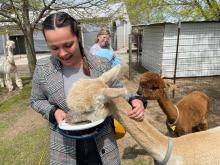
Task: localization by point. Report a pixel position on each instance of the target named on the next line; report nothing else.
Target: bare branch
(5, 13)
(90, 3)
(6, 20)
(46, 7)
(83, 5)
(2, 13)
(18, 21)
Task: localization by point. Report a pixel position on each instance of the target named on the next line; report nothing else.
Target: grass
(18, 100)
(26, 148)
(12, 108)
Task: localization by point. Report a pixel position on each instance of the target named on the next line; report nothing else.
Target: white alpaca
(7, 66)
(200, 148)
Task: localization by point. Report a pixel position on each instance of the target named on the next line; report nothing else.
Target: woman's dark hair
(62, 19)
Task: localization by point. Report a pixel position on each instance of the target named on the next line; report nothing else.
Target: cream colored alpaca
(201, 148)
(85, 91)
(7, 66)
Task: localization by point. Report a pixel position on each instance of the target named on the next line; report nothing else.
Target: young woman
(52, 79)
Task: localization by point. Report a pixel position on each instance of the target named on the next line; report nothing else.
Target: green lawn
(28, 147)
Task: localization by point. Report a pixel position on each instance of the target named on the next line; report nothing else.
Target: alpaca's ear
(111, 74)
(110, 93)
(107, 94)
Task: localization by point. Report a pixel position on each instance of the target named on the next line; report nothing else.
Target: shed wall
(123, 31)
(40, 43)
(152, 48)
(1, 45)
(198, 53)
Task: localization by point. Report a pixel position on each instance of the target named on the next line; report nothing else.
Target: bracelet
(52, 118)
(139, 98)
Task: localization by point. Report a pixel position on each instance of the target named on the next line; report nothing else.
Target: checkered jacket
(48, 93)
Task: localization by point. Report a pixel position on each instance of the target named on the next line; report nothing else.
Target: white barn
(39, 42)
(123, 30)
(198, 49)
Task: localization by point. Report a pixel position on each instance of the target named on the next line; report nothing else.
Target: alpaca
(188, 115)
(200, 148)
(7, 66)
(96, 91)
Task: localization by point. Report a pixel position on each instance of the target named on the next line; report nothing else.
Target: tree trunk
(30, 50)
(28, 31)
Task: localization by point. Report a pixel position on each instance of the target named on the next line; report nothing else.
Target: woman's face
(64, 46)
(103, 40)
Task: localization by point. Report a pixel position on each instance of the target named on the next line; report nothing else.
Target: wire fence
(182, 86)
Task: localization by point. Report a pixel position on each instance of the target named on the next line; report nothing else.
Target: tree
(153, 11)
(26, 15)
(188, 10)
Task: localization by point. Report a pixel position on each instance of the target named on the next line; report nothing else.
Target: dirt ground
(130, 151)
(209, 85)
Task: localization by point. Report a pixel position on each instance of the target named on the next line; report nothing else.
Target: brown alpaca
(188, 115)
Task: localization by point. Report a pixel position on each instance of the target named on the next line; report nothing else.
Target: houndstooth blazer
(48, 93)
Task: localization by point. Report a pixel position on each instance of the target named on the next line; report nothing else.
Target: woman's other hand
(137, 112)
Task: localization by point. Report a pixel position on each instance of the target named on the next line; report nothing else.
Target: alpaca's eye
(155, 87)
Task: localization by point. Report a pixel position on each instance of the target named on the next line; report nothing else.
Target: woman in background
(103, 49)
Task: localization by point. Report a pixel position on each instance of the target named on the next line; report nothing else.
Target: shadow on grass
(132, 152)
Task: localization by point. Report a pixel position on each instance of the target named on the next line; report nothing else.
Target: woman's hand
(137, 112)
(59, 115)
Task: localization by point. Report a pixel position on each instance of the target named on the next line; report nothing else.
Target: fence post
(176, 58)
(130, 54)
(138, 50)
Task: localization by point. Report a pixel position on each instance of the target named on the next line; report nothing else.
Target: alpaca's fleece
(7, 66)
(88, 99)
(193, 108)
(199, 148)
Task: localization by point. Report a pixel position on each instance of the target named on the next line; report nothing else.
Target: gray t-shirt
(71, 75)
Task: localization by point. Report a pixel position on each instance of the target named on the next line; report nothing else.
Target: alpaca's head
(10, 44)
(88, 99)
(151, 86)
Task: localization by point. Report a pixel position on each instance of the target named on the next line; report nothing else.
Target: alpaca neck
(145, 135)
(10, 56)
(168, 108)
